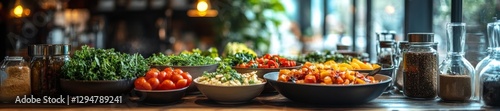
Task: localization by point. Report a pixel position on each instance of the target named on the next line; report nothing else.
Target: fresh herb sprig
(103, 64)
(238, 58)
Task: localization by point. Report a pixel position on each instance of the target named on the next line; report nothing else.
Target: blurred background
(286, 27)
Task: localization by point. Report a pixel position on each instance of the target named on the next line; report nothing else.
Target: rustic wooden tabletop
(266, 102)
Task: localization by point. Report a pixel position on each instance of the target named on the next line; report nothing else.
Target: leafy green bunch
(238, 58)
(103, 64)
(186, 58)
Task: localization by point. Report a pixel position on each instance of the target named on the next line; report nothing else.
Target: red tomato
(176, 77)
(154, 82)
(151, 74)
(142, 84)
(265, 66)
(168, 69)
(178, 71)
(168, 76)
(181, 83)
(267, 56)
(166, 85)
(188, 77)
(310, 79)
(154, 69)
(162, 75)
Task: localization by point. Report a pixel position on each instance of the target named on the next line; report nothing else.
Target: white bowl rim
(333, 85)
(263, 83)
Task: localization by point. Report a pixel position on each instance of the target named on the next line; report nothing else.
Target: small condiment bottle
(420, 68)
(38, 64)
(59, 55)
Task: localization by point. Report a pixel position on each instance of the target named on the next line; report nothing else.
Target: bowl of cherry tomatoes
(265, 64)
(194, 71)
(162, 87)
(327, 86)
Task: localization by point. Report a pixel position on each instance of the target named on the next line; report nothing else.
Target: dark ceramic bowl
(230, 94)
(330, 94)
(160, 97)
(261, 71)
(96, 87)
(195, 71)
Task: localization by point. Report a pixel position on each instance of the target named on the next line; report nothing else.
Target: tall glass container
(490, 80)
(493, 30)
(38, 64)
(456, 79)
(59, 55)
(420, 67)
(402, 47)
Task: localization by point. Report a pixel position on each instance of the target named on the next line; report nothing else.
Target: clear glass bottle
(14, 79)
(59, 55)
(420, 68)
(456, 78)
(490, 80)
(385, 54)
(402, 47)
(493, 30)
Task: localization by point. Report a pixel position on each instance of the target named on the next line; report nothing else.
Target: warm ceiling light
(202, 10)
(389, 9)
(18, 11)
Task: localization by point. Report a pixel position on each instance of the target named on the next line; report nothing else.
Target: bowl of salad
(195, 63)
(246, 63)
(327, 86)
(226, 86)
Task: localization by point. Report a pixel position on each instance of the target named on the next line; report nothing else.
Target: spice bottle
(59, 54)
(402, 47)
(38, 65)
(456, 76)
(420, 67)
(490, 74)
(386, 54)
(14, 79)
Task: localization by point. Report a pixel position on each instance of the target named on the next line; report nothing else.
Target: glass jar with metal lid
(59, 55)
(38, 64)
(420, 68)
(402, 47)
(14, 79)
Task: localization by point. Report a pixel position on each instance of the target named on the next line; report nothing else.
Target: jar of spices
(38, 65)
(386, 54)
(14, 79)
(420, 67)
(59, 55)
(455, 81)
(402, 47)
(490, 80)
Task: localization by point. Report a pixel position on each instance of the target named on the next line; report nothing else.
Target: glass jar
(493, 32)
(14, 79)
(455, 81)
(402, 47)
(38, 65)
(420, 67)
(490, 80)
(59, 55)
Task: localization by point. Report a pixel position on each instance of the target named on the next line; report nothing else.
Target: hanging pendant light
(19, 11)
(203, 9)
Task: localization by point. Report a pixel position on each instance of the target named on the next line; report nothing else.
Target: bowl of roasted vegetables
(163, 86)
(323, 84)
(262, 65)
(195, 62)
(226, 86)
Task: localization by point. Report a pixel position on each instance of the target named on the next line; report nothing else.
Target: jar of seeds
(59, 55)
(420, 68)
(38, 64)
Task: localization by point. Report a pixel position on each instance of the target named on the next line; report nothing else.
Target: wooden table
(266, 102)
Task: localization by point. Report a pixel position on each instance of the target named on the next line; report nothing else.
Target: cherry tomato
(168, 69)
(151, 74)
(181, 83)
(178, 71)
(166, 85)
(168, 76)
(162, 75)
(310, 79)
(142, 84)
(176, 77)
(154, 82)
(154, 69)
(267, 56)
(188, 77)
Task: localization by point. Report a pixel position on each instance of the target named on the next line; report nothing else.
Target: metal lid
(59, 49)
(421, 37)
(38, 50)
(13, 58)
(386, 44)
(403, 44)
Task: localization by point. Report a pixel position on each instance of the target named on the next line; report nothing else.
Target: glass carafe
(455, 81)
(490, 80)
(493, 33)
